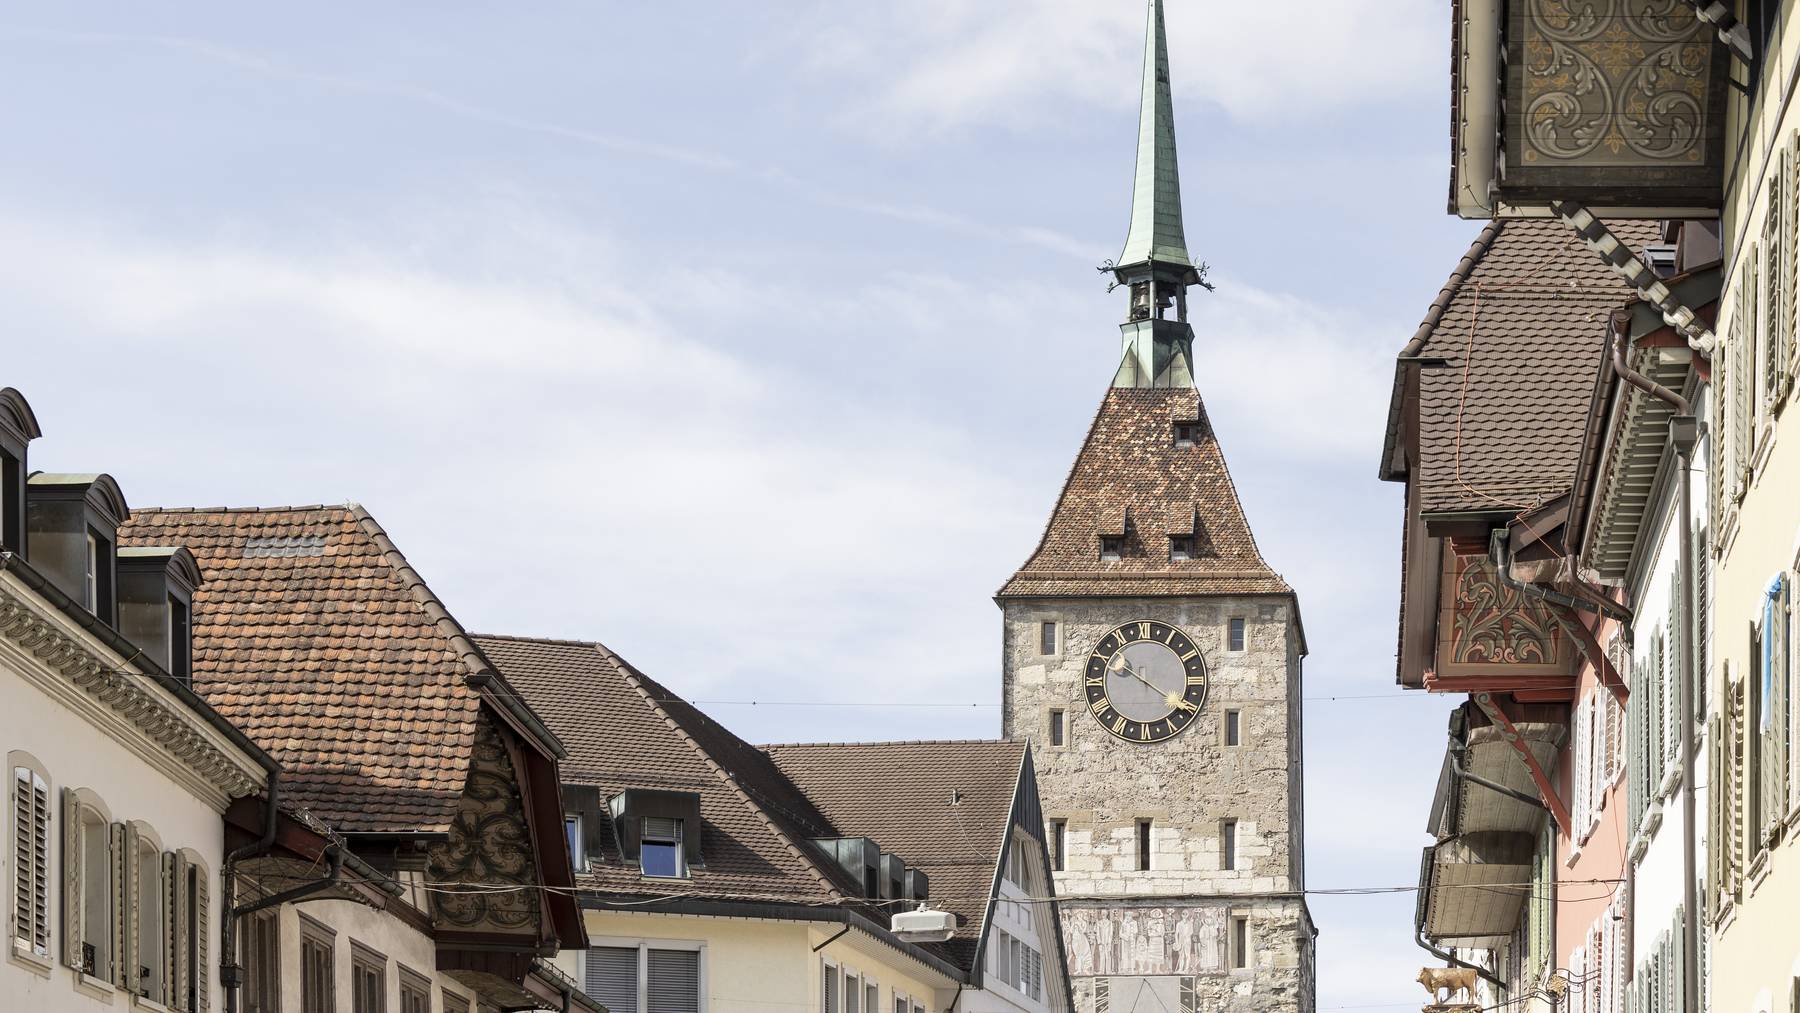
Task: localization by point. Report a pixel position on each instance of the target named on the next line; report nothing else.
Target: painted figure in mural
(1106, 956)
(1128, 941)
(1156, 947)
(1184, 942)
(1081, 951)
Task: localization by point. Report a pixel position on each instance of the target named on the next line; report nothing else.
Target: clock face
(1145, 682)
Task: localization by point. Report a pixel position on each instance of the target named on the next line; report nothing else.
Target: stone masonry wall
(1186, 786)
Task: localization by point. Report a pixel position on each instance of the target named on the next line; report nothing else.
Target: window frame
(1238, 942)
(321, 939)
(150, 854)
(677, 844)
(1229, 845)
(251, 928)
(1237, 632)
(1058, 730)
(1112, 548)
(96, 891)
(366, 960)
(1049, 634)
(416, 983)
(1059, 844)
(1146, 843)
(643, 945)
(1231, 728)
(1182, 548)
(577, 854)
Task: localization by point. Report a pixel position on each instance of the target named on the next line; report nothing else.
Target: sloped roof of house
(313, 635)
(1514, 337)
(943, 807)
(1131, 479)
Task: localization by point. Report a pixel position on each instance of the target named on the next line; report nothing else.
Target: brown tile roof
(1521, 330)
(313, 635)
(1130, 467)
(624, 730)
(903, 794)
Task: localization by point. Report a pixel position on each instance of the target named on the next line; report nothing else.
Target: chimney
(156, 605)
(71, 530)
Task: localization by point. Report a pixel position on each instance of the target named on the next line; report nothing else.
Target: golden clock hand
(1122, 665)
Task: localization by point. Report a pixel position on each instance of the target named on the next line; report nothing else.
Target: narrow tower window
(1047, 637)
(1143, 845)
(1240, 941)
(1228, 844)
(1058, 726)
(1059, 844)
(1235, 634)
(1233, 728)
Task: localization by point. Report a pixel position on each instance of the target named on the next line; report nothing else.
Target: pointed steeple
(1156, 233)
(1155, 267)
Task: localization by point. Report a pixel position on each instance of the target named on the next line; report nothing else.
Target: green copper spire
(1155, 268)
(1156, 233)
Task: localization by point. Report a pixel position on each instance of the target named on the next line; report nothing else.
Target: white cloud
(937, 64)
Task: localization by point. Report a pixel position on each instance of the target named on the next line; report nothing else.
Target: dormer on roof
(156, 604)
(72, 529)
(18, 427)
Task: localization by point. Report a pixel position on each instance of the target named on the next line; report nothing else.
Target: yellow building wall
(753, 965)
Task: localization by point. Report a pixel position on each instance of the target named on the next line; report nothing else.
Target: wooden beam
(1558, 811)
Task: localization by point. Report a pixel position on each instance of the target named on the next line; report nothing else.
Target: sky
(754, 340)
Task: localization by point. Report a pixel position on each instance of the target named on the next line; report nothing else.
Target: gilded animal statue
(1446, 982)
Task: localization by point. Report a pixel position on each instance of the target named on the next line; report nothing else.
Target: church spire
(1154, 266)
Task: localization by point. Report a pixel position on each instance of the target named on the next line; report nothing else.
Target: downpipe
(231, 975)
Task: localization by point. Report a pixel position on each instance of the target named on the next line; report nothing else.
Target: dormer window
(1112, 547)
(17, 429)
(156, 605)
(1187, 434)
(659, 849)
(1181, 547)
(71, 529)
(90, 581)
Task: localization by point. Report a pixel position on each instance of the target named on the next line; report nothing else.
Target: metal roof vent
(923, 925)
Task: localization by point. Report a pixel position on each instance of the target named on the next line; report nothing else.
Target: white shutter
(828, 1003)
(202, 941)
(175, 912)
(674, 981)
(121, 903)
(611, 977)
(31, 861)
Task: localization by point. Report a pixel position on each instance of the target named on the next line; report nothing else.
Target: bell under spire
(1155, 266)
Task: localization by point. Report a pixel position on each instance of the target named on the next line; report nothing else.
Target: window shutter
(71, 879)
(175, 993)
(1715, 437)
(1677, 644)
(1634, 754)
(611, 977)
(31, 860)
(1739, 802)
(1715, 803)
(128, 967)
(121, 892)
(202, 943)
(828, 1002)
(674, 985)
(1699, 624)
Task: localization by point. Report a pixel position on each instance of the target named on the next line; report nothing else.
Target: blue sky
(754, 340)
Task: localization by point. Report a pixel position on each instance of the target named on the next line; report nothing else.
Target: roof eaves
(1390, 471)
(482, 675)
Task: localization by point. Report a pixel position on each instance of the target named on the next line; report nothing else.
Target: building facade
(1153, 660)
(720, 876)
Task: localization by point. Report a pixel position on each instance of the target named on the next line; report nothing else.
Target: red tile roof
(1130, 469)
(941, 806)
(313, 635)
(1521, 328)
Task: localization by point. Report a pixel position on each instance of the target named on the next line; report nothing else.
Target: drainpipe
(231, 976)
(1449, 958)
(1684, 433)
(1502, 559)
(1462, 773)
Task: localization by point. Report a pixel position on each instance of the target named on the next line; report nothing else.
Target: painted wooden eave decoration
(1614, 104)
(1492, 638)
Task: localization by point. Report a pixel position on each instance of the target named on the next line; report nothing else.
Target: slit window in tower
(1228, 844)
(1143, 845)
(1235, 634)
(1047, 637)
(1240, 942)
(1059, 844)
(1058, 726)
(1181, 547)
(1233, 728)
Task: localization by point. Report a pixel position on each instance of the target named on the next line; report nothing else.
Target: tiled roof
(313, 635)
(1521, 331)
(624, 730)
(941, 806)
(1130, 470)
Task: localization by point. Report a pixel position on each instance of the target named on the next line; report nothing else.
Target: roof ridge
(521, 639)
(636, 680)
(242, 509)
(897, 742)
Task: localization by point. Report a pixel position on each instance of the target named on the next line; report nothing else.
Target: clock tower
(1153, 658)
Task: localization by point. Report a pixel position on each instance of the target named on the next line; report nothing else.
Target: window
(152, 924)
(1240, 941)
(31, 862)
(659, 851)
(572, 831)
(1234, 634)
(94, 851)
(455, 1003)
(260, 950)
(1059, 843)
(1111, 547)
(1143, 845)
(900, 1004)
(12, 503)
(415, 992)
(318, 979)
(871, 997)
(1233, 728)
(829, 1002)
(639, 979)
(90, 584)
(192, 972)
(368, 981)
(1047, 637)
(1228, 845)
(852, 994)
(1187, 433)
(181, 641)
(1181, 547)
(1058, 725)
